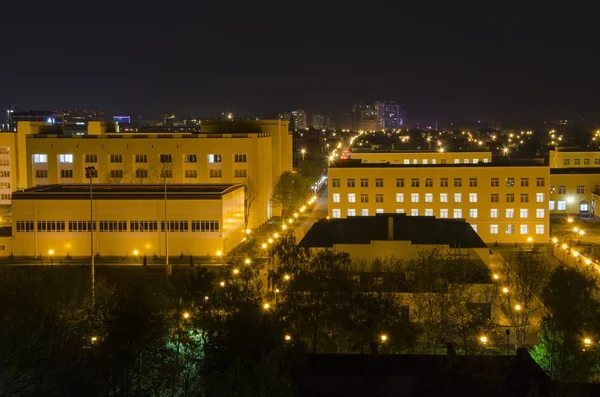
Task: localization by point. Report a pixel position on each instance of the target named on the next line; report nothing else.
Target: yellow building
(252, 153)
(572, 158)
(573, 190)
(425, 157)
(503, 203)
(55, 220)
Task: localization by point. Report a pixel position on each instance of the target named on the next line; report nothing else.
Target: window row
(578, 161)
(443, 198)
(562, 189)
(510, 229)
(443, 182)
(141, 173)
(138, 158)
(118, 226)
(444, 213)
(432, 161)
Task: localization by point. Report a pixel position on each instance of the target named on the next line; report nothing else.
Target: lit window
(510, 213)
(562, 205)
(475, 161)
(336, 213)
(539, 213)
(539, 229)
(65, 158)
(474, 227)
(40, 158)
(351, 198)
(399, 197)
(539, 197)
(493, 229)
(466, 161)
(433, 161)
(457, 213)
(399, 211)
(473, 213)
(443, 213)
(485, 160)
(523, 213)
(443, 197)
(379, 211)
(494, 213)
(406, 161)
(551, 205)
(414, 197)
(457, 197)
(364, 212)
(510, 229)
(472, 197)
(336, 197)
(414, 212)
(428, 212)
(424, 161)
(428, 197)
(524, 229)
(415, 161)
(216, 158)
(456, 161)
(351, 212)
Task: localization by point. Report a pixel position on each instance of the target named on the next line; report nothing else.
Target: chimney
(390, 228)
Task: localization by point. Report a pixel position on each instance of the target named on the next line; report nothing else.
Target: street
(318, 212)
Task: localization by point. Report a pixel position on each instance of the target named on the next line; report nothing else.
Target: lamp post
(507, 332)
(90, 173)
(168, 268)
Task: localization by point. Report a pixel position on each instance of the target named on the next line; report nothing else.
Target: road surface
(318, 212)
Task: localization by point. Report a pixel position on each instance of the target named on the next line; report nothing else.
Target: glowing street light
(517, 307)
(581, 232)
(51, 252)
(93, 339)
(219, 253)
(247, 231)
(570, 220)
(565, 246)
(135, 252)
(575, 229)
(286, 277)
(505, 290)
(266, 306)
(276, 235)
(222, 283)
(483, 339)
(264, 245)
(383, 338)
(270, 241)
(530, 239)
(206, 298)
(288, 338)
(236, 271)
(496, 277)
(247, 261)
(587, 341)
(186, 315)
(284, 227)
(555, 240)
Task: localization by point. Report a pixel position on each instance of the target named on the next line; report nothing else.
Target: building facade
(56, 220)
(503, 203)
(251, 153)
(423, 157)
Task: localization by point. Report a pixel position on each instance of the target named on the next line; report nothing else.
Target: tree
(161, 172)
(290, 191)
(525, 274)
(572, 313)
(309, 170)
(592, 199)
(249, 199)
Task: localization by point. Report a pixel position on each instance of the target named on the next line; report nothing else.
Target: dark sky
(479, 61)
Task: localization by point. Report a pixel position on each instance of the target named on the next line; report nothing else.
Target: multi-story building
(299, 117)
(128, 220)
(252, 153)
(321, 121)
(390, 115)
(364, 116)
(504, 203)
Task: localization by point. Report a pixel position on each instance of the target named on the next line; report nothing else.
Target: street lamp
(383, 338)
(483, 339)
(303, 151)
(90, 173)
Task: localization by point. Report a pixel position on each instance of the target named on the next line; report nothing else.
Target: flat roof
(416, 229)
(76, 191)
(357, 163)
(429, 151)
(575, 170)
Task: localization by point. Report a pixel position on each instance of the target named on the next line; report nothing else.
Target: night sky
(455, 62)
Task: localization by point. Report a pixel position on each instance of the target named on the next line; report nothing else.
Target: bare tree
(592, 199)
(525, 275)
(113, 179)
(249, 199)
(161, 172)
(140, 177)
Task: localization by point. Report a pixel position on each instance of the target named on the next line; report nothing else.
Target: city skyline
(446, 64)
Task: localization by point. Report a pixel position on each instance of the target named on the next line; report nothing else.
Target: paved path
(318, 212)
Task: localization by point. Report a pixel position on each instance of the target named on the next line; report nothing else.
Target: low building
(394, 235)
(128, 220)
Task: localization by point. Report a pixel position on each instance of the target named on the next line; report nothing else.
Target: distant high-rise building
(321, 121)
(364, 116)
(16, 115)
(376, 116)
(299, 116)
(122, 119)
(168, 120)
(390, 115)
